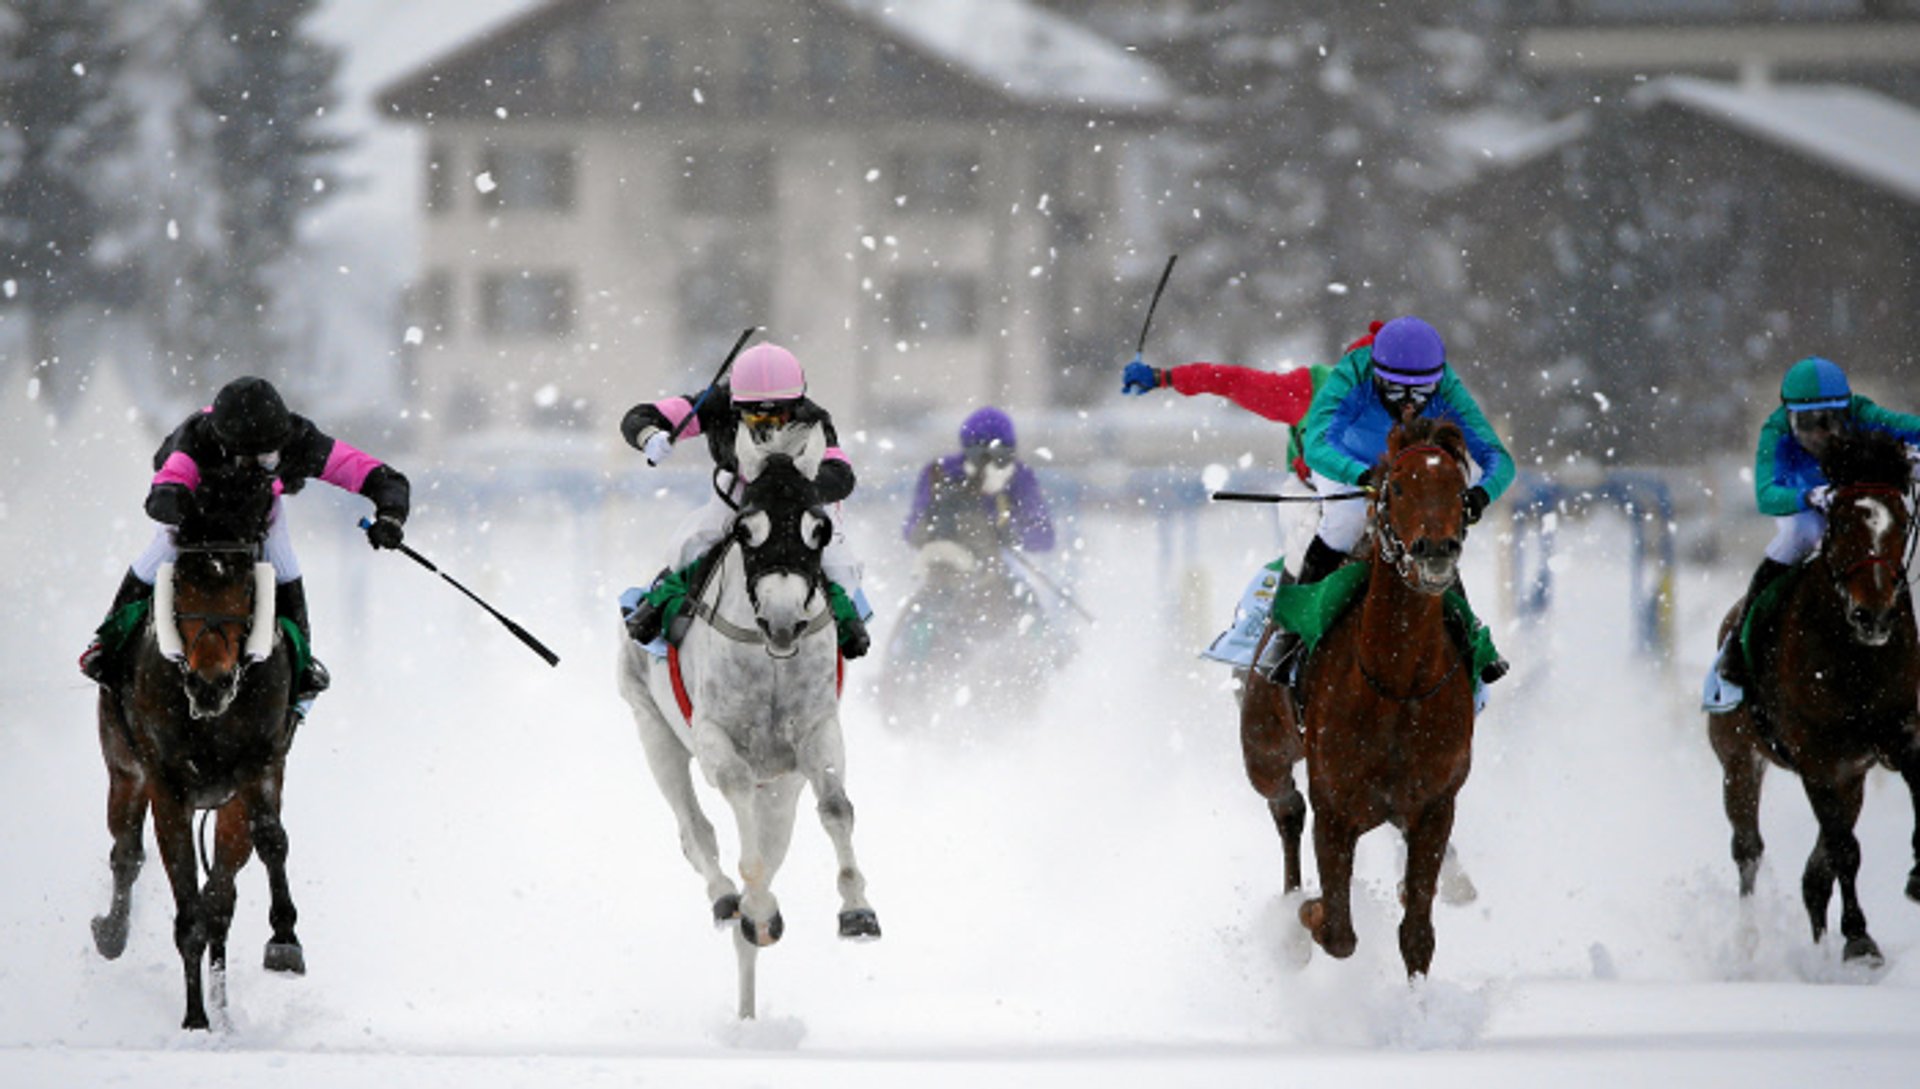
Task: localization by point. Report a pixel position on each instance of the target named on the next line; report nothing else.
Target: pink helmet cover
(767, 372)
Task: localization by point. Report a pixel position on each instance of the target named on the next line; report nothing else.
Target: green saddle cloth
(1760, 615)
(671, 595)
(117, 629)
(1310, 610)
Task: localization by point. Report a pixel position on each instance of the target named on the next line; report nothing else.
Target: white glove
(657, 447)
(1820, 497)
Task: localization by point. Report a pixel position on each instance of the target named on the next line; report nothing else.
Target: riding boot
(290, 601)
(1497, 668)
(100, 663)
(1732, 662)
(1276, 658)
(854, 640)
(644, 622)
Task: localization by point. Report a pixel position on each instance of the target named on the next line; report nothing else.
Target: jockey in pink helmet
(766, 389)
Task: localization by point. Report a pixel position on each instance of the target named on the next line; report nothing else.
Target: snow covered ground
(491, 893)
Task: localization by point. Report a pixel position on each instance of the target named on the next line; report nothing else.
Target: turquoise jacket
(1346, 429)
(1783, 470)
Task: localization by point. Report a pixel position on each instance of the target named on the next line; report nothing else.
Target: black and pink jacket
(718, 421)
(192, 462)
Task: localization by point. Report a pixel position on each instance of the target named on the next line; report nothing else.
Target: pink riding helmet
(767, 372)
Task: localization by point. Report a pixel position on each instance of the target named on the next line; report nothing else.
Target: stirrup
(1718, 695)
(1279, 657)
(1494, 670)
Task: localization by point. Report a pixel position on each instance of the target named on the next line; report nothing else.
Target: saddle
(1311, 609)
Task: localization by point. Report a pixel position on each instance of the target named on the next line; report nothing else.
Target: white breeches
(278, 550)
(1796, 536)
(1342, 523)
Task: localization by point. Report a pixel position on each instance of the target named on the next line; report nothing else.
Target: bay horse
(760, 666)
(1834, 684)
(201, 722)
(1388, 704)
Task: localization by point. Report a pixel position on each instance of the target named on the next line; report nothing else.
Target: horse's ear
(748, 453)
(813, 453)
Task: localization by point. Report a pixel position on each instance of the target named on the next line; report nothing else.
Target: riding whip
(1263, 497)
(1140, 348)
(519, 632)
(674, 435)
(1042, 579)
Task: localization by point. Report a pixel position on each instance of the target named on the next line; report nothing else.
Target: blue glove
(1141, 379)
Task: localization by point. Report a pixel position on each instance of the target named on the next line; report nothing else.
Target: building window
(433, 304)
(528, 178)
(440, 184)
(938, 180)
(828, 61)
(935, 304)
(526, 304)
(727, 181)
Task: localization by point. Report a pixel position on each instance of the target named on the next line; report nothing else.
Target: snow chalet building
(929, 202)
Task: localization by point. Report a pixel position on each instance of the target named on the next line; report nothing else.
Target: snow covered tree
(59, 118)
(1317, 127)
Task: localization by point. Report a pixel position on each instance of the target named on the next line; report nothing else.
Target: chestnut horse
(1834, 687)
(201, 723)
(1388, 703)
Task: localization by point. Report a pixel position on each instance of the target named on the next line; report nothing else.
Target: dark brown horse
(1834, 687)
(1388, 703)
(198, 726)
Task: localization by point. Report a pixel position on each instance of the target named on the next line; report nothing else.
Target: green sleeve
(1906, 427)
(1496, 463)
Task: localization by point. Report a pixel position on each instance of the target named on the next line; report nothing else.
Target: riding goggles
(994, 455)
(1817, 421)
(1395, 396)
(763, 414)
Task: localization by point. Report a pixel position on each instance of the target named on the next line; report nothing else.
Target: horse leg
(1329, 917)
(821, 759)
(1290, 820)
(765, 814)
(127, 822)
(283, 952)
(1427, 837)
(1908, 761)
(1742, 771)
(1269, 746)
(1836, 857)
(672, 768)
(173, 830)
(231, 849)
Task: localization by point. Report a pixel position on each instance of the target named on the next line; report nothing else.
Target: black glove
(385, 532)
(171, 504)
(1476, 503)
(1369, 479)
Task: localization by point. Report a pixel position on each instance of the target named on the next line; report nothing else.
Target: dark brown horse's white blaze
(202, 723)
(1388, 704)
(1834, 686)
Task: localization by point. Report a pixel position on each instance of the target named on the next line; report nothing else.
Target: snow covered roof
(1868, 135)
(1029, 54)
(1505, 139)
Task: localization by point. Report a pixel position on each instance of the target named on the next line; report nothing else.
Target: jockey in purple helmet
(765, 390)
(988, 477)
(1401, 375)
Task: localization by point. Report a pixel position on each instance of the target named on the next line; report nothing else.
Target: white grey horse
(760, 662)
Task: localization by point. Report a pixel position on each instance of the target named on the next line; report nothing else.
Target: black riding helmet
(249, 417)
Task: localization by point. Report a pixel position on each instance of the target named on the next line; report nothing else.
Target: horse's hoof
(1863, 951)
(776, 926)
(196, 1021)
(286, 957)
(109, 936)
(726, 909)
(1913, 885)
(860, 924)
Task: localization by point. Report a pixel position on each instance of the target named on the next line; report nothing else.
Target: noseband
(1392, 548)
(218, 624)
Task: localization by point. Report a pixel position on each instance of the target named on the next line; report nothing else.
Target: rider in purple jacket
(988, 475)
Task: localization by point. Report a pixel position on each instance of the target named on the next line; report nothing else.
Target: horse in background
(201, 722)
(1835, 684)
(760, 667)
(1384, 715)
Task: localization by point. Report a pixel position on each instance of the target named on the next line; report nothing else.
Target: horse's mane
(1859, 456)
(1428, 431)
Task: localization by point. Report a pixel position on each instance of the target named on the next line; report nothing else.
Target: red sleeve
(1283, 396)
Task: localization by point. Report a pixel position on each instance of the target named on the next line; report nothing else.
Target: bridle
(792, 553)
(1895, 560)
(218, 624)
(1393, 549)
